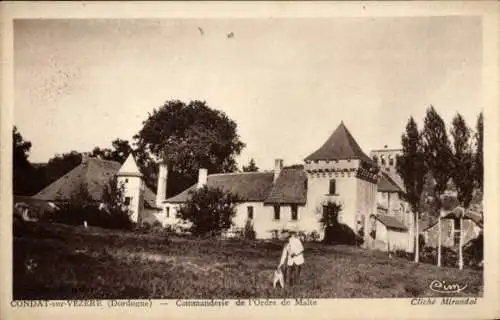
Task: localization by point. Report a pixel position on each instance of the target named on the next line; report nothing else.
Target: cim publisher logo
(447, 286)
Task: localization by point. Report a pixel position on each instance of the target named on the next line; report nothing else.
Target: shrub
(111, 213)
(210, 210)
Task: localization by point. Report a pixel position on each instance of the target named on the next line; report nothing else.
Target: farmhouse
(94, 174)
(296, 196)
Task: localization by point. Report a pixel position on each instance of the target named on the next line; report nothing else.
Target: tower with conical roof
(133, 183)
(340, 172)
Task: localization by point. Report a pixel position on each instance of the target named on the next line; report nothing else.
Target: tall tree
(462, 160)
(438, 159)
(437, 151)
(478, 159)
(20, 164)
(251, 167)
(411, 167)
(188, 137)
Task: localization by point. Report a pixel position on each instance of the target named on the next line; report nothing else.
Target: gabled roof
(341, 145)
(93, 172)
(391, 222)
(249, 186)
(290, 187)
(455, 214)
(130, 168)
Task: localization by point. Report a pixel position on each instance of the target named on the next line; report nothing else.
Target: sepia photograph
(213, 159)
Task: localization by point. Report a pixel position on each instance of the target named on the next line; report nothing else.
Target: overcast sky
(288, 83)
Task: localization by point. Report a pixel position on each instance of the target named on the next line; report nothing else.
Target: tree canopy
(188, 137)
(251, 167)
(478, 161)
(462, 160)
(438, 155)
(22, 168)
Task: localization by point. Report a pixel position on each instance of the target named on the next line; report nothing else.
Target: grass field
(54, 261)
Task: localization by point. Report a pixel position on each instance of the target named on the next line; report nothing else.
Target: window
(375, 158)
(391, 161)
(332, 187)
(127, 201)
(126, 180)
(276, 212)
(167, 212)
(294, 211)
(382, 160)
(250, 212)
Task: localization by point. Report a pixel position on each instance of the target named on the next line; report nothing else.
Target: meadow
(55, 261)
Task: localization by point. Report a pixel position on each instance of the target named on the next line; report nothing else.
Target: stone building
(296, 196)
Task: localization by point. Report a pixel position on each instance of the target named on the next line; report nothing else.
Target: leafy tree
(113, 198)
(462, 160)
(438, 155)
(22, 168)
(210, 210)
(119, 151)
(251, 167)
(478, 159)
(411, 167)
(189, 137)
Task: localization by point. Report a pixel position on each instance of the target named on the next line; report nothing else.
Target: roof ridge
(236, 173)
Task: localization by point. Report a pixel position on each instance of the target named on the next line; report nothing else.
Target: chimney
(161, 193)
(278, 165)
(202, 178)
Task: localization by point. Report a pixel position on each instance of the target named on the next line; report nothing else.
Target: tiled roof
(387, 184)
(290, 187)
(391, 222)
(341, 145)
(95, 173)
(249, 186)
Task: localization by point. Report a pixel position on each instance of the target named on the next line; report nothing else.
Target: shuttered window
(250, 212)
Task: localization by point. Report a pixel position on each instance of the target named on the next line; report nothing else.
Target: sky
(287, 83)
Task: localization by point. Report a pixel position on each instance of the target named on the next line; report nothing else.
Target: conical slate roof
(341, 145)
(130, 168)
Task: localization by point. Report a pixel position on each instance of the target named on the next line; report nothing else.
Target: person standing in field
(292, 259)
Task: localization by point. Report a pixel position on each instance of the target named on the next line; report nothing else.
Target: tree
(462, 173)
(21, 167)
(411, 168)
(478, 159)
(437, 151)
(119, 151)
(210, 210)
(438, 159)
(462, 161)
(113, 198)
(188, 137)
(251, 167)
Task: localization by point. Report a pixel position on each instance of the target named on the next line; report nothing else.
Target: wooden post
(460, 253)
(417, 249)
(439, 240)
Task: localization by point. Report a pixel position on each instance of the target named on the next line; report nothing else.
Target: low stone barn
(94, 174)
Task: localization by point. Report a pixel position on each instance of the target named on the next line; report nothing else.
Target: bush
(111, 213)
(210, 210)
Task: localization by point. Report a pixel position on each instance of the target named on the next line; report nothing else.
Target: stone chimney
(161, 193)
(202, 178)
(278, 165)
